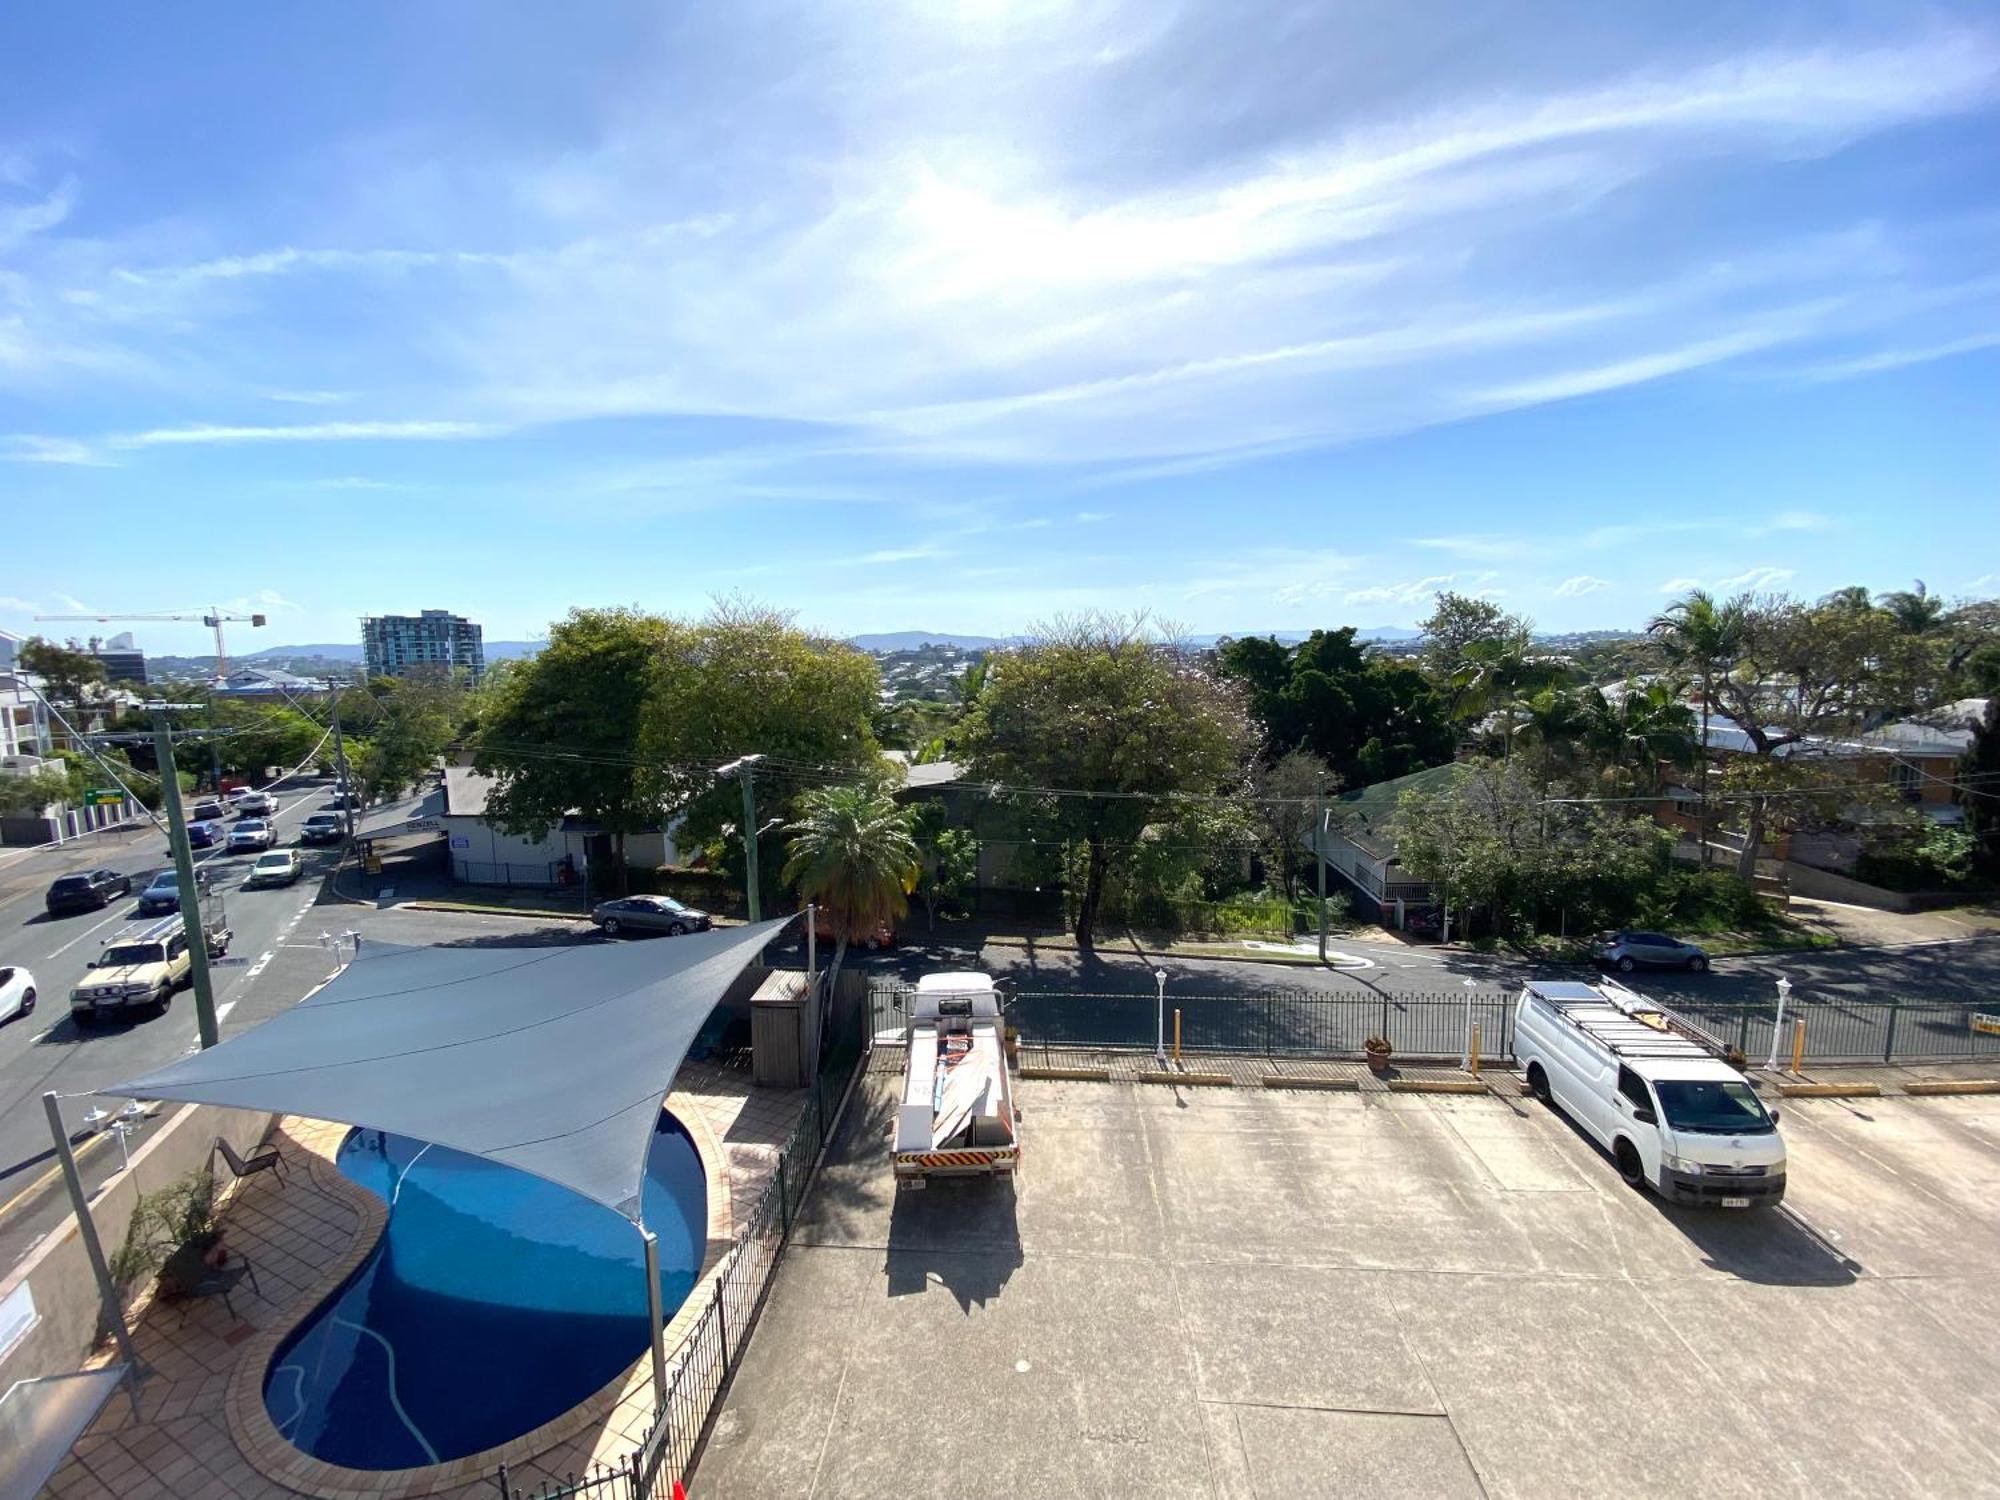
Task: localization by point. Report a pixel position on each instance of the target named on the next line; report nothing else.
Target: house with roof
(483, 853)
(1360, 844)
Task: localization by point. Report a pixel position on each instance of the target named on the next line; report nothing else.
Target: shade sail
(554, 1060)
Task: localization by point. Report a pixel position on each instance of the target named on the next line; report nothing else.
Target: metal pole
(1778, 1024)
(1465, 1057)
(812, 945)
(114, 1307)
(655, 1324)
(1160, 1019)
(750, 846)
(340, 765)
(191, 915)
(1319, 857)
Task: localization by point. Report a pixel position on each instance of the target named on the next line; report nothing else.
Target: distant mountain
(910, 640)
(331, 651)
(1293, 637)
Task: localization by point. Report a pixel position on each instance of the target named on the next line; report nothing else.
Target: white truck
(956, 1116)
(1653, 1089)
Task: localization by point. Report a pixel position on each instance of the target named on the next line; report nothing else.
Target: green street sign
(96, 798)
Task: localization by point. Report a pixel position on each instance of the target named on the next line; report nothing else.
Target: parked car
(884, 936)
(254, 804)
(17, 993)
(1626, 951)
(251, 833)
(648, 914)
(205, 834)
(90, 891)
(278, 867)
(208, 810)
(164, 894)
(322, 828)
(135, 971)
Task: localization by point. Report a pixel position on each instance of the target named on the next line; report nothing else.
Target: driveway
(1237, 1294)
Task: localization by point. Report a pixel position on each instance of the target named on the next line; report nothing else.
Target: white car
(255, 804)
(251, 833)
(279, 867)
(17, 993)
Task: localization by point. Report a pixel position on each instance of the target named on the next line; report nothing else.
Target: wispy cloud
(306, 398)
(1581, 585)
(1479, 548)
(27, 448)
(315, 432)
(902, 555)
(13, 604)
(1415, 591)
(1749, 581)
(1896, 359)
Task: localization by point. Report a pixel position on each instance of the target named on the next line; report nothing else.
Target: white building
(482, 853)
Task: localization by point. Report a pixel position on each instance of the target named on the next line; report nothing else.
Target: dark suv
(90, 891)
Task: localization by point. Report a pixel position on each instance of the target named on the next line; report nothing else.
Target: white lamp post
(1465, 1055)
(1160, 1019)
(1778, 1024)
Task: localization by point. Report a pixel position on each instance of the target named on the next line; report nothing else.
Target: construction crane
(213, 620)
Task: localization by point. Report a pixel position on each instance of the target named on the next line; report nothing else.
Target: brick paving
(197, 1428)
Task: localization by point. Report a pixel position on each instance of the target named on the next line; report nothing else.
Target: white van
(1654, 1091)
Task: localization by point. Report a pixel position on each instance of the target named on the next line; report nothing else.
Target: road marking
(258, 967)
(222, 1011)
(116, 916)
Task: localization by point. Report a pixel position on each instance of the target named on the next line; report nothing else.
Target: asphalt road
(272, 959)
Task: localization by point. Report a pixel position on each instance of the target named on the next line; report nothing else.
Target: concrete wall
(57, 1271)
(1824, 885)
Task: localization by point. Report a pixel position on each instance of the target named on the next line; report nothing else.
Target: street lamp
(1465, 1055)
(1160, 1019)
(1778, 1023)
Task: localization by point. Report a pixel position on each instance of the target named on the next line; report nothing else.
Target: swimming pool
(493, 1302)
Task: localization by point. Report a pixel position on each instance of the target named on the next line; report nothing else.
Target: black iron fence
(1318, 1023)
(699, 1368)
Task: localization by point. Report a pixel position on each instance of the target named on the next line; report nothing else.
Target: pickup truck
(140, 969)
(956, 1117)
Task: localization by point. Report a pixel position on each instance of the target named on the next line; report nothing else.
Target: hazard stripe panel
(954, 1158)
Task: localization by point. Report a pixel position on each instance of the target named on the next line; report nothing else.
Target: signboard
(461, 843)
(1985, 1025)
(98, 798)
(422, 825)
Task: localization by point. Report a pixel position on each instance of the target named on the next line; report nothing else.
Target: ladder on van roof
(1625, 1022)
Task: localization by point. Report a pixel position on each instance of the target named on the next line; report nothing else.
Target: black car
(90, 891)
(208, 811)
(323, 828)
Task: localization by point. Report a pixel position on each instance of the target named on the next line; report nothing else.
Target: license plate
(1735, 1202)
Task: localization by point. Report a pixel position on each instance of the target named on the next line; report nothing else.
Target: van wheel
(1629, 1166)
(1538, 1083)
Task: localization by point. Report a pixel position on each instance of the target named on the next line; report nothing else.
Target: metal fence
(1317, 1023)
(699, 1369)
(537, 874)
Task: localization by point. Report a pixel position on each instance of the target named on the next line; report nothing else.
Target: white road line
(222, 1011)
(258, 967)
(116, 916)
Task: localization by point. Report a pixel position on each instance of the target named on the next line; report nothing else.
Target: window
(1633, 1088)
(1719, 1108)
(1905, 777)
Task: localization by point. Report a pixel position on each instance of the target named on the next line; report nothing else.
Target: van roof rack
(1626, 1022)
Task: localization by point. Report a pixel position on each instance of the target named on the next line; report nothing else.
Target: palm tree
(1557, 721)
(1916, 610)
(1495, 673)
(852, 853)
(1702, 637)
(1647, 725)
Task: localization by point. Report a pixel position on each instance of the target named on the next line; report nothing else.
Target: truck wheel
(164, 999)
(1629, 1166)
(1538, 1083)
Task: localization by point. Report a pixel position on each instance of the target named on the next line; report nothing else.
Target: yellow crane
(213, 619)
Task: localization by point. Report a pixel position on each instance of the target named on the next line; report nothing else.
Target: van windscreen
(1711, 1108)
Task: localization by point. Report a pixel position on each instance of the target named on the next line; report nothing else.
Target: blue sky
(956, 316)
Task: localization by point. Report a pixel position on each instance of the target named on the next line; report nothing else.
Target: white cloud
(306, 398)
(1753, 580)
(73, 605)
(1478, 548)
(1580, 585)
(902, 554)
(1636, 370)
(14, 605)
(317, 432)
(1793, 520)
(1680, 585)
(20, 222)
(1415, 591)
(27, 448)
(1089, 517)
(1896, 359)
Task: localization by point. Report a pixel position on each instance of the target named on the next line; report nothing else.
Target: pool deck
(198, 1430)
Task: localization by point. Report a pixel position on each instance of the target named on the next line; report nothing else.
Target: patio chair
(263, 1159)
(186, 1279)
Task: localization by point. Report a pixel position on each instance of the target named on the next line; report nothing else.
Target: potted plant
(1377, 1049)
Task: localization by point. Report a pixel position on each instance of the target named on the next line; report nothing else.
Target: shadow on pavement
(1770, 1247)
(959, 1233)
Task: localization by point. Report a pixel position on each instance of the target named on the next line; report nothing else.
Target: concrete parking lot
(1236, 1293)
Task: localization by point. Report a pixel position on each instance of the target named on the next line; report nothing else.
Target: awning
(554, 1060)
(403, 817)
(41, 1419)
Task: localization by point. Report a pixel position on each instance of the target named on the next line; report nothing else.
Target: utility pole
(1319, 856)
(340, 765)
(745, 769)
(191, 915)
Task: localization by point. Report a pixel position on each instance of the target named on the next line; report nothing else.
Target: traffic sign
(98, 798)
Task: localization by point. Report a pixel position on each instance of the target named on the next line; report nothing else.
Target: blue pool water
(493, 1302)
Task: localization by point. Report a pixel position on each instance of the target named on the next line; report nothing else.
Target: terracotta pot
(1378, 1062)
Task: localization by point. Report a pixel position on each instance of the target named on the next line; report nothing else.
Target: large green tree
(1367, 718)
(562, 734)
(1096, 705)
(1701, 637)
(71, 679)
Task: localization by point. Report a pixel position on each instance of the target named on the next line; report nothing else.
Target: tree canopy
(1095, 704)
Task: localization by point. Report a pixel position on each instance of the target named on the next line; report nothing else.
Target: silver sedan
(648, 914)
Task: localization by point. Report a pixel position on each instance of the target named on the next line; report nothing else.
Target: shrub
(181, 1213)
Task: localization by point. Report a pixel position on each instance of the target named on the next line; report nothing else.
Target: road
(272, 960)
